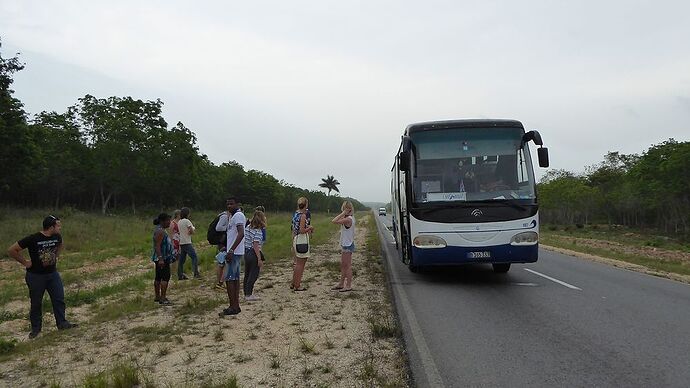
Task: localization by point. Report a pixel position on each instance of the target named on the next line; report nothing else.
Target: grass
(677, 267)
(123, 374)
(10, 316)
(307, 347)
(621, 234)
(156, 333)
(7, 345)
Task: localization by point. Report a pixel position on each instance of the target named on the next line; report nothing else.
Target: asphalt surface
(561, 321)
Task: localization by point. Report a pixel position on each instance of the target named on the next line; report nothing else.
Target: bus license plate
(479, 255)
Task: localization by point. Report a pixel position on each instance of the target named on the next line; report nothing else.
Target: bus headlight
(525, 238)
(428, 242)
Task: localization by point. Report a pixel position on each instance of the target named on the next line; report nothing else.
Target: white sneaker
(252, 298)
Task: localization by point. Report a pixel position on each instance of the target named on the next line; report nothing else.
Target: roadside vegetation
(318, 338)
(631, 208)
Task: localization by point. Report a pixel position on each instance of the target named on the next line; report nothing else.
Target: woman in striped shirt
(253, 259)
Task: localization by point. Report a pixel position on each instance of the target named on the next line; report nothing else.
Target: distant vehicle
(382, 211)
(463, 191)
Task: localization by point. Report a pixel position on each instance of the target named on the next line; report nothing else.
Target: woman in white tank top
(346, 220)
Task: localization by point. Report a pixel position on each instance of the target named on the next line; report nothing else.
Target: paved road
(561, 321)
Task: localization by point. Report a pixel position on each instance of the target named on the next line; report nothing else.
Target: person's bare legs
(236, 296)
(341, 283)
(157, 289)
(347, 270)
(164, 289)
(219, 275)
(298, 272)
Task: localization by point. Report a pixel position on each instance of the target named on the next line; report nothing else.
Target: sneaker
(197, 276)
(229, 311)
(165, 302)
(67, 325)
(183, 277)
(219, 286)
(157, 299)
(252, 298)
(34, 334)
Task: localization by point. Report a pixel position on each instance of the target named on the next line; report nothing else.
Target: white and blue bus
(463, 191)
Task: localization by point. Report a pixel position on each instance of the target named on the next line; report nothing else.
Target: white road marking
(433, 376)
(525, 284)
(553, 279)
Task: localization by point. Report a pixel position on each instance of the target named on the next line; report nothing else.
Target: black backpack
(213, 236)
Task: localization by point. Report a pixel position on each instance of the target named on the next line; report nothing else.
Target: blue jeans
(187, 249)
(38, 284)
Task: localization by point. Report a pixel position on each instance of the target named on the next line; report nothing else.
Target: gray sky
(341, 80)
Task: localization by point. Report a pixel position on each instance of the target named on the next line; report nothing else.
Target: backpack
(213, 236)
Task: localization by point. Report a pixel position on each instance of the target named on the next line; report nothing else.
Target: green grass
(7, 345)
(122, 375)
(677, 267)
(621, 234)
(156, 333)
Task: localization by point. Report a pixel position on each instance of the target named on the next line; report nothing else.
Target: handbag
(302, 245)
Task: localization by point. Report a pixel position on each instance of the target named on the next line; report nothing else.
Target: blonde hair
(176, 213)
(347, 205)
(302, 203)
(258, 220)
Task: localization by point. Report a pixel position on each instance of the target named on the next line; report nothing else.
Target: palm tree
(330, 183)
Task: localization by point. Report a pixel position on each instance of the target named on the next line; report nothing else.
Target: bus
(463, 191)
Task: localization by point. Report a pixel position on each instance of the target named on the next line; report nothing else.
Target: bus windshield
(471, 164)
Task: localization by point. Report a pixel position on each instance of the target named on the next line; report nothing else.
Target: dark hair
(184, 212)
(231, 198)
(161, 217)
(50, 221)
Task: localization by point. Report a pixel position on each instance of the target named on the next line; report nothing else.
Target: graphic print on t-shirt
(47, 252)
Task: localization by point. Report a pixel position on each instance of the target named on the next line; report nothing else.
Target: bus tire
(501, 267)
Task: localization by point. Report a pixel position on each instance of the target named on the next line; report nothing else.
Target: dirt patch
(287, 339)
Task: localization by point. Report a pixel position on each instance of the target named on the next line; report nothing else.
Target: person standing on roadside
(222, 226)
(346, 220)
(301, 229)
(235, 246)
(187, 229)
(253, 258)
(162, 257)
(41, 273)
(175, 229)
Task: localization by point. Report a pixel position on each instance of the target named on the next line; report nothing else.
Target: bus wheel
(501, 268)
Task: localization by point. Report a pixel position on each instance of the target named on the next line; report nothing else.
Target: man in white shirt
(186, 247)
(235, 247)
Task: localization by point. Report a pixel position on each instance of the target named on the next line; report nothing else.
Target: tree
(19, 158)
(330, 183)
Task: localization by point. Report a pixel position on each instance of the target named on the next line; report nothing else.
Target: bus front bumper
(453, 255)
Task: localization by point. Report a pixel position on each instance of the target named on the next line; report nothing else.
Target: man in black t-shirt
(41, 273)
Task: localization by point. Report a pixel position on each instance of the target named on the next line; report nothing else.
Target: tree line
(651, 190)
(119, 153)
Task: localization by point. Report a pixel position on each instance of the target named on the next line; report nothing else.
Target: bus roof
(464, 123)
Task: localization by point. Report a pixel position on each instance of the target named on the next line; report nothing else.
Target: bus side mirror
(543, 154)
(534, 136)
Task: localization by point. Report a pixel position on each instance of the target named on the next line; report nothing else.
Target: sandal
(345, 290)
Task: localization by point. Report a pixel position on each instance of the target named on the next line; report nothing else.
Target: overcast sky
(326, 87)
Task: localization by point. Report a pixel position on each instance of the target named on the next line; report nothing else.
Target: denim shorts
(232, 269)
(350, 248)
